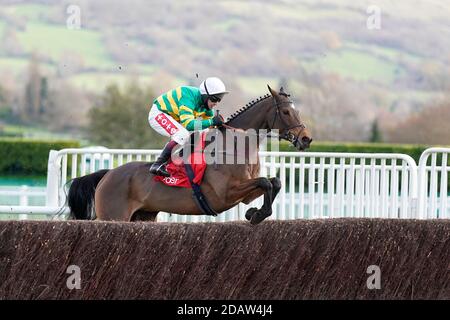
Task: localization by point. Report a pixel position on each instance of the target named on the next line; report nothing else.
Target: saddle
(177, 167)
(189, 174)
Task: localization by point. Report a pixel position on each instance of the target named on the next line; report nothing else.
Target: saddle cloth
(178, 176)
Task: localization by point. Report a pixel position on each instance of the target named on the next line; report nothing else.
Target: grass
(15, 65)
(384, 52)
(257, 86)
(359, 66)
(29, 11)
(34, 132)
(56, 41)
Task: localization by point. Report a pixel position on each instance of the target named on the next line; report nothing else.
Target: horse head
(286, 118)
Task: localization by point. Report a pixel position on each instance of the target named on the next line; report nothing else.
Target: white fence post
(53, 176)
(23, 201)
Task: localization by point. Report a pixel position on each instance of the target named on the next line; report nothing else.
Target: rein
(286, 135)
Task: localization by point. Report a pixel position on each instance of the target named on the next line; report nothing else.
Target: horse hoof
(258, 217)
(250, 212)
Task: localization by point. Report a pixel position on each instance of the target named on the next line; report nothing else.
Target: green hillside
(358, 65)
(59, 41)
(109, 48)
(343, 76)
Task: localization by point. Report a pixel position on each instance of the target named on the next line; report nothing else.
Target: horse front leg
(256, 216)
(276, 186)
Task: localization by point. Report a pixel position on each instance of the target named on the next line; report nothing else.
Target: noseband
(286, 135)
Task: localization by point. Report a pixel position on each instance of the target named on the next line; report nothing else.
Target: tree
(2, 97)
(120, 119)
(335, 109)
(375, 133)
(36, 93)
(11, 46)
(5, 110)
(430, 126)
(66, 107)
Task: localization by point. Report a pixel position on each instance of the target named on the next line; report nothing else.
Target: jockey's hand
(217, 121)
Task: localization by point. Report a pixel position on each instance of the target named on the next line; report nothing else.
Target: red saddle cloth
(178, 176)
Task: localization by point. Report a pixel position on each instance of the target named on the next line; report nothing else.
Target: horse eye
(286, 112)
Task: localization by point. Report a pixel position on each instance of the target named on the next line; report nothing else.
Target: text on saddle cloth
(178, 176)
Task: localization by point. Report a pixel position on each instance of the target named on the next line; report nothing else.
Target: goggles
(215, 98)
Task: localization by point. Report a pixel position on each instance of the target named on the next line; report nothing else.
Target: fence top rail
(339, 155)
(261, 153)
(424, 156)
(18, 192)
(436, 149)
(34, 210)
(108, 151)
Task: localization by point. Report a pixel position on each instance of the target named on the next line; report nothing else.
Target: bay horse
(129, 192)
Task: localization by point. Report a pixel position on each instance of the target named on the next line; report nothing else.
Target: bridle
(286, 135)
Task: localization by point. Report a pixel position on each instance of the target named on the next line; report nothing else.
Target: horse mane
(247, 107)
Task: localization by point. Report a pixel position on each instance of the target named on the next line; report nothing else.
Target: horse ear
(282, 90)
(272, 92)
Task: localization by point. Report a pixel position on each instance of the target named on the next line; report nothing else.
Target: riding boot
(159, 166)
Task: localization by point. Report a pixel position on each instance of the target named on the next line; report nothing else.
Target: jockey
(175, 113)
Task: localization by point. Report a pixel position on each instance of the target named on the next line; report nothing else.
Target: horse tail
(81, 195)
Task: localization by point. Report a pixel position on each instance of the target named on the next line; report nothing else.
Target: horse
(130, 192)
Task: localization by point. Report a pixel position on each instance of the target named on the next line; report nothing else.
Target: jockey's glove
(217, 121)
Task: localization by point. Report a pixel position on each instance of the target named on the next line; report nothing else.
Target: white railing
(319, 185)
(433, 193)
(314, 185)
(348, 191)
(71, 163)
(327, 185)
(21, 197)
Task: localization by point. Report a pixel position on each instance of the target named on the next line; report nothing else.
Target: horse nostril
(306, 140)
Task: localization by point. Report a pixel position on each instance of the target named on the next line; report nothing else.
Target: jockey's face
(212, 105)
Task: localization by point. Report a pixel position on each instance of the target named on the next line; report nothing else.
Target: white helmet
(213, 86)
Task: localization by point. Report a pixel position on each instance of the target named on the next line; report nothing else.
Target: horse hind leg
(142, 215)
(111, 200)
(110, 206)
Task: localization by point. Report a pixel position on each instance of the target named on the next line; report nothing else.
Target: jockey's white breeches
(167, 126)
